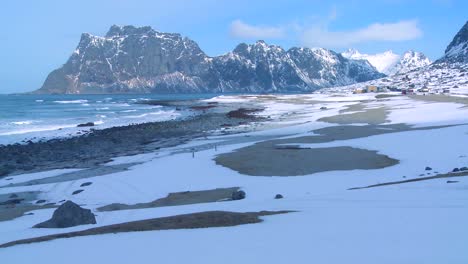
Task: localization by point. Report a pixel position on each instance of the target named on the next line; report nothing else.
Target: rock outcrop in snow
(141, 60)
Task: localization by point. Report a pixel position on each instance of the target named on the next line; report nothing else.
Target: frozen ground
(419, 222)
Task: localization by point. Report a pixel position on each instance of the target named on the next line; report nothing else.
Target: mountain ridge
(390, 63)
(132, 59)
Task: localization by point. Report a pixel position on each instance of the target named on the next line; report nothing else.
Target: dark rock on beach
(238, 195)
(86, 184)
(11, 202)
(428, 168)
(243, 113)
(77, 192)
(279, 196)
(67, 215)
(89, 124)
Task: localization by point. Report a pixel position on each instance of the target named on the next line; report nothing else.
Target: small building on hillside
(371, 89)
(358, 91)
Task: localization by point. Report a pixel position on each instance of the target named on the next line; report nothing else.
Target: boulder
(464, 169)
(67, 215)
(77, 192)
(452, 181)
(456, 170)
(428, 168)
(278, 196)
(238, 195)
(86, 184)
(89, 124)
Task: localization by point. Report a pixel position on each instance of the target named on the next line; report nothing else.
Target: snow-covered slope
(390, 63)
(448, 72)
(437, 76)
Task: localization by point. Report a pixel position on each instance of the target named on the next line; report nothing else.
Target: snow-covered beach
(412, 139)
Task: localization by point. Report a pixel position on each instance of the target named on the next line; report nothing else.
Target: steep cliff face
(141, 60)
(457, 50)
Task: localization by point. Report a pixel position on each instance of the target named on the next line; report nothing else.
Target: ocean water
(34, 117)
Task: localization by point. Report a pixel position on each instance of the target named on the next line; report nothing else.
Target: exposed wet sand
(261, 160)
(438, 176)
(186, 221)
(274, 158)
(179, 198)
(76, 175)
(373, 116)
(13, 205)
(441, 98)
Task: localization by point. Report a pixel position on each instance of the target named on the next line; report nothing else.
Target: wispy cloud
(320, 36)
(243, 30)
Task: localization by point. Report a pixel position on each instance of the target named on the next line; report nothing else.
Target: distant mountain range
(390, 63)
(449, 72)
(132, 59)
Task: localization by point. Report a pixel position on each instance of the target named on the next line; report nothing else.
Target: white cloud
(317, 36)
(240, 29)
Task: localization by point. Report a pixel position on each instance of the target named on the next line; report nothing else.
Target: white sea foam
(72, 102)
(27, 122)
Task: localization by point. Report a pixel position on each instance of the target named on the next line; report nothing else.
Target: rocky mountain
(132, 59)
(457, 50)
(390, 63)
(449, 72)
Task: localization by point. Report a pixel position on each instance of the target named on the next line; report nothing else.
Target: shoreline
(99, 146)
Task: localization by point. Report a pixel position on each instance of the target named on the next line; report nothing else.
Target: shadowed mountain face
(457, 50)
(141, 60)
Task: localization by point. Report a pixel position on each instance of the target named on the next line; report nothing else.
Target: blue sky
(38, 36)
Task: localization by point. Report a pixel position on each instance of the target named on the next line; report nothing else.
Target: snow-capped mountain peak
(389, 62)
(383, 62)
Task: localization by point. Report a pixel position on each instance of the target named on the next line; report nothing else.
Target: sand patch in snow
(263, 160)
(441, 98)
(179, 198)
(185, 221)
(374, 116)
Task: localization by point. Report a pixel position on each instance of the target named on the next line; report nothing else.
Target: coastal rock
(67, 215)
(428, 168)
(89, 124)
(11, 202)
(279, 196)
(77, 192)
(86, 184)
(238, 195)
